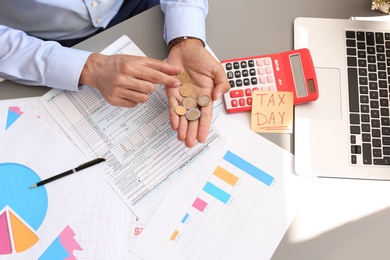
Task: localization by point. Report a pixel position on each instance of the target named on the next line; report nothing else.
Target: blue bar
(249, 168)
(216, 192)
(185, 218)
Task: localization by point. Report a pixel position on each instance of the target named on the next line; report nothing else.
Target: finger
(205, 122)
(173, 117)
(192, 133)
(221, 84)
(128, 84)
(163, 67)
(158, 77)
(182, 129)
(121, 102)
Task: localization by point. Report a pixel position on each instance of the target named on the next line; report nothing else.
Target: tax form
(143, 155)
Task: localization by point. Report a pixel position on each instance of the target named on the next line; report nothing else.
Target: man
(30, 53)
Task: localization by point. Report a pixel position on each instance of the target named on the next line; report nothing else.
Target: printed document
(142, 151)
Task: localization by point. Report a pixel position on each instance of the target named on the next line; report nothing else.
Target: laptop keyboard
(368, 60)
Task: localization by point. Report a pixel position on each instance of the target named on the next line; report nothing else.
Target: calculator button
(262, 80)
(272, 88)
(234, 103)
(245, 73)
(270, 79)
(247, 82)
(251, 63)
(252, 72)
(248, 92)
(254, 81)
(241, 101)
(237, 74)
(236, 65)
(264, 88)
(239, 83)
(232, 84)
(229, 66)
(267, 61)
(260, 71)
(236, 93)
(259, 62)
(230, 75)
(243, 64)
(268, 70)
(254, 89)
(249, 101)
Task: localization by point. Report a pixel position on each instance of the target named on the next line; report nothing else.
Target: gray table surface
(246, 28)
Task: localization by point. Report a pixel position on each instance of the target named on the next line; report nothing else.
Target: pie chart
(22, 210)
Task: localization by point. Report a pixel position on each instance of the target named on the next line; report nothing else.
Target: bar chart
(219, 207)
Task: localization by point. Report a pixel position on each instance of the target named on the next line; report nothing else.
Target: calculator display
(299, 77)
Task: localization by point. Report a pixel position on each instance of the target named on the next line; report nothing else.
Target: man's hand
(207, 77)
(125, 80)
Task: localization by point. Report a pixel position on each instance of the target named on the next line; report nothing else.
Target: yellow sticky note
(272, 112)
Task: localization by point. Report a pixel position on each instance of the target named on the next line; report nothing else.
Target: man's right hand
(125, 80)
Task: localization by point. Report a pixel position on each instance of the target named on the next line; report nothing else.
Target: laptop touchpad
(328, 104)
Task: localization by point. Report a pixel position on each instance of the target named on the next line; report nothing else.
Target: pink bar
(5, 242)
(199, 204)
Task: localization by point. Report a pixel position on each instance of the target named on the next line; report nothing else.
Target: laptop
(346, 132)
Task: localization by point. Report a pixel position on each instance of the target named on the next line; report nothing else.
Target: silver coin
(190, 102)
(204, 100)
(193, 114)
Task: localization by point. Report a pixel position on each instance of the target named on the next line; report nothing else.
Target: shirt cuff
(183, 20)
(65, 68)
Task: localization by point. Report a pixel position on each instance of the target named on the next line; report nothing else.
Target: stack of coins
(189, 105)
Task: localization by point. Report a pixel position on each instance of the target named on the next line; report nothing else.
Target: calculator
(286, 71)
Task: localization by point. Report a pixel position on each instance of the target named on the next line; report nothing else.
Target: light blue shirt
(31, 61)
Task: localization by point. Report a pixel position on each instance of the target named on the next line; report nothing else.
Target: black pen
(77, 169)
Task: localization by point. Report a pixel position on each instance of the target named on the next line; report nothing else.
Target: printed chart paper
(30, 219)
(236, 208)
(101, 217)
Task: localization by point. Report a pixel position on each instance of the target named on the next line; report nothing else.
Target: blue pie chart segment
(29, 204)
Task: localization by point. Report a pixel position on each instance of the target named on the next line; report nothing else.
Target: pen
(77, 169)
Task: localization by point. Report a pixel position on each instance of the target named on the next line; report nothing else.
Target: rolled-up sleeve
(184, 18)
(31, 61)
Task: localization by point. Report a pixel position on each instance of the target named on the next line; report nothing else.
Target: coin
(189, 102)
(183, 77)
(204, 100)
(193, 114)
(186, 90)
(180, 110)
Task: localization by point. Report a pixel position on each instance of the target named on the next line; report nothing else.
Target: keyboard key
(367, 153)
(353, 90)
(356, 149)
(370, 38)
(384, 161)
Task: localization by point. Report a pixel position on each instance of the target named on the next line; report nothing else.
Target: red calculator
(286, 71)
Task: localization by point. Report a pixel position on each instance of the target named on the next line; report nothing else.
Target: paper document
(30, 219)
(236, 208)
(141, 149)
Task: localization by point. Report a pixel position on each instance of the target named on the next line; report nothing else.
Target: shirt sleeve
(184, 18)
(31, 61)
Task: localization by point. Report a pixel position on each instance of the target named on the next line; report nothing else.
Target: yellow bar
(174, 235)
(225, 176)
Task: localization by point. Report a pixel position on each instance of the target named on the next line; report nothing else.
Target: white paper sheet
(142, 151)
(36, 216)
(208, 218)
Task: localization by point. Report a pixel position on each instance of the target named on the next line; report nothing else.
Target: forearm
(31, 61)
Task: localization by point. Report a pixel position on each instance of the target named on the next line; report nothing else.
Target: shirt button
(98, 20)
(94, 4)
